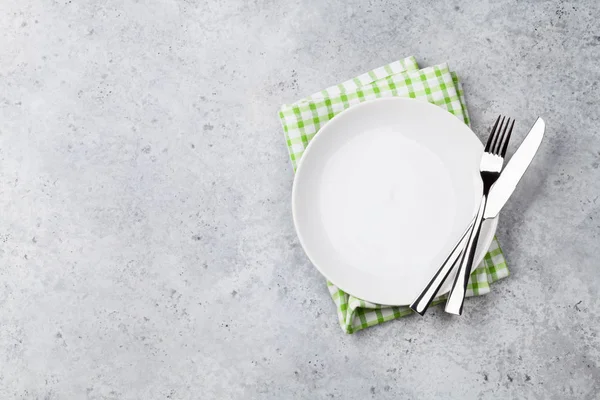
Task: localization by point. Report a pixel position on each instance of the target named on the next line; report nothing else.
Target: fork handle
(422, 302)
(457, 295)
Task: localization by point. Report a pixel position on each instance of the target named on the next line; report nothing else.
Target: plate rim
(493, 222)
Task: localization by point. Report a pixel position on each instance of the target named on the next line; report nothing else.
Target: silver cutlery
(499, 194)
(492, 162)
(464, 252)
(502, 189)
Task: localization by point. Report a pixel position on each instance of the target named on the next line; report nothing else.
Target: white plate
(383, 192)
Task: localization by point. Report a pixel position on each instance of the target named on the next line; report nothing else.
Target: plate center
(375, 186)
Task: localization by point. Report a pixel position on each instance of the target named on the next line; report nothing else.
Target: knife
(499, 195)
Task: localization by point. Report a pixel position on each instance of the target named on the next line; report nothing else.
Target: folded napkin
(303, 119)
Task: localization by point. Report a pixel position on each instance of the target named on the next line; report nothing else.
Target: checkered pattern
(303, 119)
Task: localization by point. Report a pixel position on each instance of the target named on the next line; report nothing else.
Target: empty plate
(382, 194)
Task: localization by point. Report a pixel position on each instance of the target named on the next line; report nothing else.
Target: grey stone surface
(147, 249)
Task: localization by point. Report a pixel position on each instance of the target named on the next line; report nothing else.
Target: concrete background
(146, 244)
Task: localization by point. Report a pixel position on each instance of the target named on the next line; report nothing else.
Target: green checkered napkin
(303, 119)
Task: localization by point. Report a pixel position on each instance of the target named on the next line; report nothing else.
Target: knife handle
(422, 302)
(457, 295)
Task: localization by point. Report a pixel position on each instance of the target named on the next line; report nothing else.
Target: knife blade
(514, 170)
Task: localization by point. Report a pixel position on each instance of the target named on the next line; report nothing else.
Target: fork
(464, 251)
(491, 165)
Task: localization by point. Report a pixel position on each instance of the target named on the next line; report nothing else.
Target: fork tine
(501, 137)
(497, 137)
(505, 145)
(488, 145)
